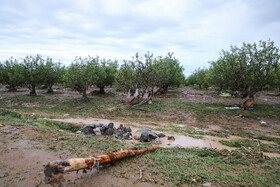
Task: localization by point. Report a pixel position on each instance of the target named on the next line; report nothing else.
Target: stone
(157, 141)
(100, 125)
(127, 129)
(88, 130)
(144, 137)
(161, 135)
(170, 138)
(152, 135)
(78, 132)
(127, 136)
(139, 132)
(110, 125)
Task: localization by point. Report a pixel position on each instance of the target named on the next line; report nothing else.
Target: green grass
(251, 144)
(98, 106)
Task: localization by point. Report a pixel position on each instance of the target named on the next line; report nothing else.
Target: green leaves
(148, 73)
(246, 70)
(84, 72)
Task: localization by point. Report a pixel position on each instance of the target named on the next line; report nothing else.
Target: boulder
(88, 130)
(138, 133)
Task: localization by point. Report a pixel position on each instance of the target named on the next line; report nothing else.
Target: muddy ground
(23, 157)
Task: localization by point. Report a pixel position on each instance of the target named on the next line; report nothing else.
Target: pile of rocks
(120, 133)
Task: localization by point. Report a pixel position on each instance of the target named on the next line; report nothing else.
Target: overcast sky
(195, 30)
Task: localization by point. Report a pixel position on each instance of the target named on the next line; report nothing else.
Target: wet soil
(180, 141)
(23, 160)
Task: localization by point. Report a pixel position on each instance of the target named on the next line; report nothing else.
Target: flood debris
(147, 135)
(264, 124)
(54, 170)
(124, 132)
(171, 138)
(88, 130)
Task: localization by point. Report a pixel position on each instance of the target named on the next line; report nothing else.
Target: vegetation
(242, 71)
(148, 73)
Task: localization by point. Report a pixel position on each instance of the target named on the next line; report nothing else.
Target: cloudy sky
(195, 30)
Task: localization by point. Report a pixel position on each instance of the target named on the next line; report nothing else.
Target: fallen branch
(54, 170)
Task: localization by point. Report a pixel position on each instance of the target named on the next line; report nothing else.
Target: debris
(264, 124)
(161, 135)
(65, 115)
(145, 135)
(124, 132)
(181, 125)
(225, 95)
(78, 132)
(171, 138)
(248, 103)
(232, 108)
(54, 170)
(108, 130)
(206, 184)
(157, 141)
(88, 130)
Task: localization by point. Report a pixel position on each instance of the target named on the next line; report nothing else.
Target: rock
(78, 132)
(109, 131)
(110, 125)
(65, 115)
(206, 184)
(170, 138)
(127, 129)
(127, 136)
(157, 141)
(144, 137)
(88, 130)
(139, 132)
(161, 135)
(100, 125)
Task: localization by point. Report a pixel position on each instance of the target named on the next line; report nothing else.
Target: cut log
(54, 170)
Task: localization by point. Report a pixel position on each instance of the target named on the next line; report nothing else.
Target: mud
(180, 141)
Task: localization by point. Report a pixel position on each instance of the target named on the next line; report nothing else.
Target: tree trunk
(33, 91)
(50, 90)
(54, 170)
(101, 90)
(12, 88)
(85, 93)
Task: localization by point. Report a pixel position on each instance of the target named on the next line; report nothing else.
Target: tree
(11, 74)
(32, 72)
(53, 73)
(198, 78)
(246, 70)
(169, 72)
(80, 75)
(105, 73)
(145, 74)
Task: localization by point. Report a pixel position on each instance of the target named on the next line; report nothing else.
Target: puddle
(180, 141)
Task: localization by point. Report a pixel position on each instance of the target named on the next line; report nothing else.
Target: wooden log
(54, 170)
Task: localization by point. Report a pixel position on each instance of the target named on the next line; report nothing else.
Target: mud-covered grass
(251, 144)
(166, 166)
(244, 166)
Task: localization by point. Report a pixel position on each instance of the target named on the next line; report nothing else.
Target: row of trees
(145, 73)
(242, 70)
